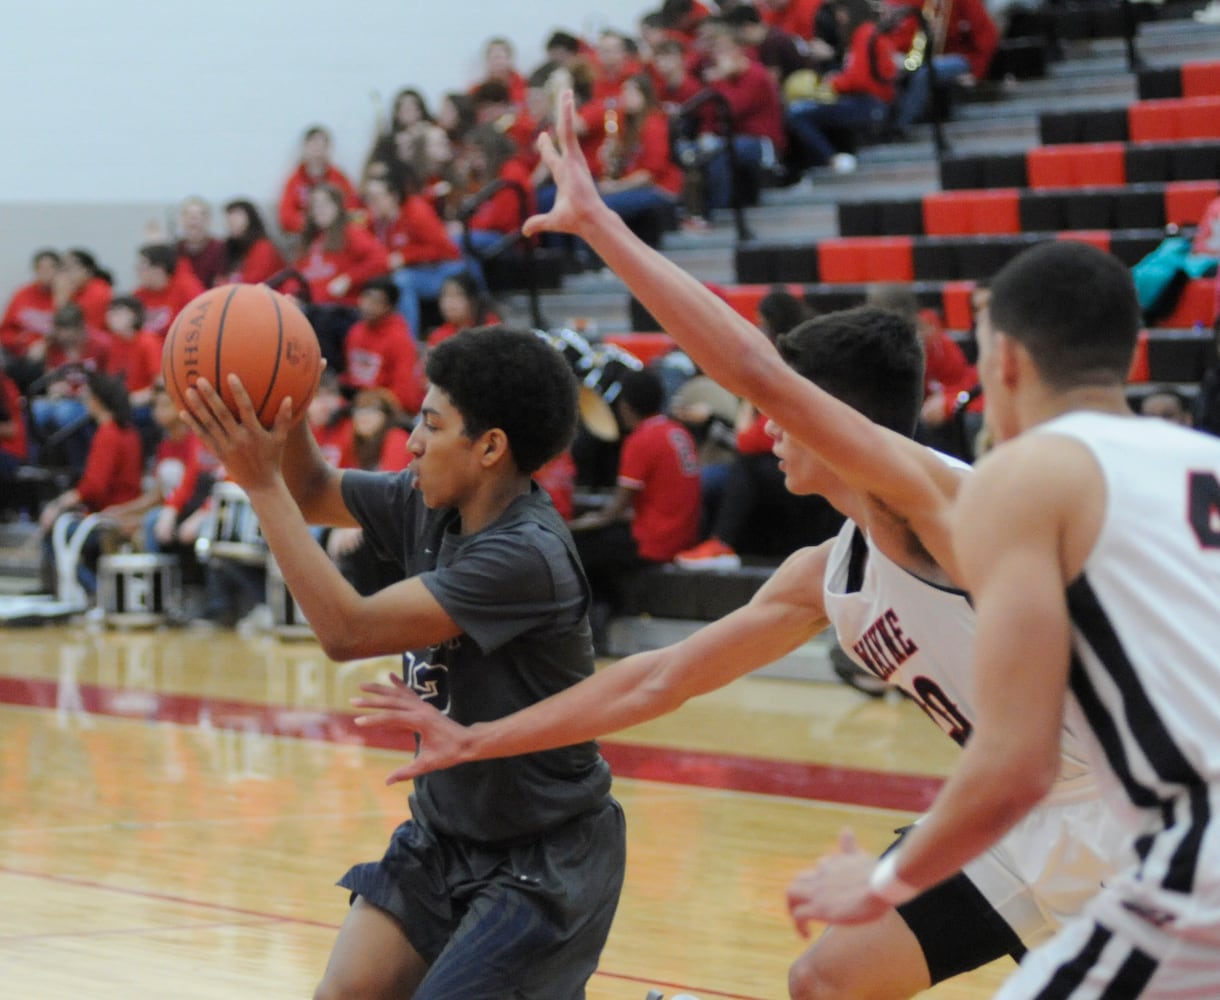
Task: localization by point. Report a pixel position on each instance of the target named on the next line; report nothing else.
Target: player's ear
(494, 445)
(1011, 358)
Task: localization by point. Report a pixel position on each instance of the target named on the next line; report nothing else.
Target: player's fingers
(566, 123)
(407, 773)
(847, 841)
(245, 405)
(206, 409)
(536, 224)
(284, 418)
(548, 153)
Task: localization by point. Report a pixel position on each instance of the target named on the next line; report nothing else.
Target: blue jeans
(753, 152)
(639, 203)
(423, 281)
(52, 415)
(914, 100)
(809, 120)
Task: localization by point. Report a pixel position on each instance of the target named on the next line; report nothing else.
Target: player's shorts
(1132, 940)
(526, 920)
(1016, 896)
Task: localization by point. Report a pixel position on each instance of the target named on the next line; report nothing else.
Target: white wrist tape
(885, 883)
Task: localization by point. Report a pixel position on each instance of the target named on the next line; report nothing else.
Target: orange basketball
(257, 334)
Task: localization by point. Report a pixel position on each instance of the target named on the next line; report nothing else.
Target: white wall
(114, 111)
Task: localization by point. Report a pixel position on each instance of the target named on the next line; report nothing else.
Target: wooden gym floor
(176, 807)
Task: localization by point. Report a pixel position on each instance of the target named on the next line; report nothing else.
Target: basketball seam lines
(220, 333)
(279, 353)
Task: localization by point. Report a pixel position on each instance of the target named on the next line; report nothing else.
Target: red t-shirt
(206, 262)
(753, 97)
(418, 234)
(27, 318)
(395, 456)
(558, 478)
(447, 330)
(383, 354)
(362, 257)
(199, 461)
(335, 442)
(262, 260)
(651, 153)
(295, 197)
(857, 75)
(755, 440)
(113, 467)
(502, 212)
(137, 360)
(161, 306)
(796, 19)
(15, 445)
(659, 464)
(93, 298)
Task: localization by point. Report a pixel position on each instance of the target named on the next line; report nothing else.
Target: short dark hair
(510, 379)
(129, 302)
(1073, 308)
(316, 130)
(385, 284)
(490, 92)
(68, 315)
(781, 311)
(742, 15)
(869, 358)
(47, 254)
(643, 391)
(162, 255)
(112, 394)
(563, 40)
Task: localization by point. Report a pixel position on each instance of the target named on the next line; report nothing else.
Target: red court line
(273, 918)
(765, 776)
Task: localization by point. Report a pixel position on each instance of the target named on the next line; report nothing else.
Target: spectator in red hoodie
(615, 64)
(112, 473)
(462, 306)
(163, 287)
(249, 255)
(28, 315)
(489, 155)
(82, 282)
(12, 428)
(338, 256)
(380, 351)
(315, 168)
(135, 354)
(421, 254)
(196, 245)
(857, 98)
(499, 65)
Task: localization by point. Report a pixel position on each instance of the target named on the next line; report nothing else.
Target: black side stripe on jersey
(1129, 981)
(1146, 726)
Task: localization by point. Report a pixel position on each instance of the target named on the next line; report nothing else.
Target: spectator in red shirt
(164, 288)
(339, 256)
(755, 112)
(249, 255)
(615, 63)
(135, 354)
(196, 245)
(112, 473)
(654, 512)
(858, 97)
(315, 168)
(794, 17)
(489, 155)
(12, 427)
(380, 350)
(379, 444)
(462, 306)
(28, 316)
(672, 83)
(636, 175)
(499, 65)
(84, 283)
(493, 106)
(970, 41)
(421, 254)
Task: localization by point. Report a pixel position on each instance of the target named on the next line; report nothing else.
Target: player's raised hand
(836, 889)
(442, 741)
(577, 201)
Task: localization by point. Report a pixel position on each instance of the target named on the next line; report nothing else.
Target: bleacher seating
(1146, 121)
(1191, 79)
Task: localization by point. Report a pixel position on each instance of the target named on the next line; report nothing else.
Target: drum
(234, 532)
(287, 621)
(138, 588)
(601, 387)
(576, 351)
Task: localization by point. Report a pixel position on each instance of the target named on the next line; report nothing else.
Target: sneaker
(712, 554)
(853, 675)
(843, 163)
(695, 224)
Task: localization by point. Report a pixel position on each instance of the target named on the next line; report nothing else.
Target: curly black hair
(510, 379)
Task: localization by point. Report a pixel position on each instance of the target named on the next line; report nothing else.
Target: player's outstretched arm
(1012, 523)
(731, 350)
(784, 613)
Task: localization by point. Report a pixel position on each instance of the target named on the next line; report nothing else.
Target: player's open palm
(836, 890)
(398, 707)
(576, 193)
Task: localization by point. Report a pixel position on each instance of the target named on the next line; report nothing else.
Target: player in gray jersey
(843, 393)
(505, 880)
(1090, 541)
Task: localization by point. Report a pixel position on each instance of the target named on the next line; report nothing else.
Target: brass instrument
(934, 18)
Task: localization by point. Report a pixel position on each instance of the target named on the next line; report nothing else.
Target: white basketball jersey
(1145, 673)
(916, 635)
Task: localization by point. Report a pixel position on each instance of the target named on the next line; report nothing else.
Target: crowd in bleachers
(689, 114)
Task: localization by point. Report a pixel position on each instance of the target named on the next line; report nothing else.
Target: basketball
(256, 333)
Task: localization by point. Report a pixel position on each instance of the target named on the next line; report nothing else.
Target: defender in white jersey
(1091, 546)
(914, 633)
